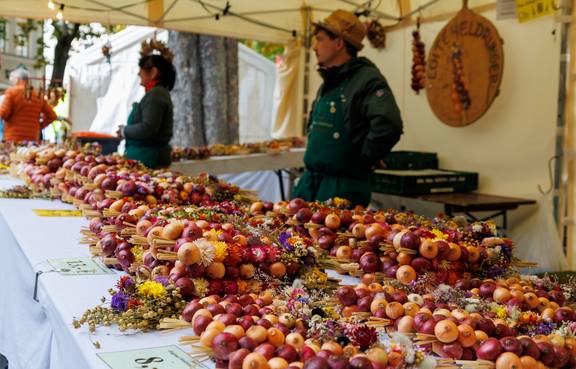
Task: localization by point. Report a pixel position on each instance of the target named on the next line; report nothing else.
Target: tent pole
(307, 20)
(156, 13)
(567, 191)
(559, 199)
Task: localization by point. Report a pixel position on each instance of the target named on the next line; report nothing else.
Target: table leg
(281, 182)
(448, 210)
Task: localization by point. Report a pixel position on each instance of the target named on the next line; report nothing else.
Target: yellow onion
(446, 331)
(189, 254)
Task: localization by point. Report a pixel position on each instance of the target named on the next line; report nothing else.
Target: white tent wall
(256, 80)
(510, 146)
(101, 94)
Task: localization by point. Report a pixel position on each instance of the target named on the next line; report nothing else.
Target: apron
(154, 157)
(334, 167)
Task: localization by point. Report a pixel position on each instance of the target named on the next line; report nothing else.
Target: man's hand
(120, 131)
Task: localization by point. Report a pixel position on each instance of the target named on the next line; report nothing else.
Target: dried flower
(207, 251)
(119, 301)
(125, 282)
(151, 289)
(234, 254)
(230, 287)
(220, 250)
(362, 335)
(200, 286)
(215, 287)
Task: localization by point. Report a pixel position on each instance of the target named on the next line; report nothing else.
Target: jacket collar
(344, 70)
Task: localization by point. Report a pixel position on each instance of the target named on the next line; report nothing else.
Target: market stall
(195, 272)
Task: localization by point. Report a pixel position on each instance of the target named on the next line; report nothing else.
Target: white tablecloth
(40, 334)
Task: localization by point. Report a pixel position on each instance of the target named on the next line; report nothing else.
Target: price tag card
(79, 266)
(57, 213)
(166, 357)
(531, 9)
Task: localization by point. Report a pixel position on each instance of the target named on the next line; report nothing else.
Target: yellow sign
(530, 9)
(57, 213)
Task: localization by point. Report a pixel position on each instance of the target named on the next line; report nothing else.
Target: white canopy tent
(275, 21)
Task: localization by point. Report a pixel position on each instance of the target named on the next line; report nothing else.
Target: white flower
(410, 356)
(443, 288)
(207, 251)
(298, 283)
(402, 339)
(428, 363)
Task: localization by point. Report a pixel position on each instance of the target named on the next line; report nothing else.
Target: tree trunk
(187, 93)
(206, 93)
(64, 36)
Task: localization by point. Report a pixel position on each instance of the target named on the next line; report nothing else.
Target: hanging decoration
(376, 34)
(464, 69)
(418, 60)
(106, 51)
(154, 46)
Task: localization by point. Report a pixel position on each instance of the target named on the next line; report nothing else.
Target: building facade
(17, 50)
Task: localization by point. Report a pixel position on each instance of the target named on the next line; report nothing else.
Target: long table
(218, 165)
(292, 158)
(39, 334)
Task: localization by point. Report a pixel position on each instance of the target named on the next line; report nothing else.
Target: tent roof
(266, 20)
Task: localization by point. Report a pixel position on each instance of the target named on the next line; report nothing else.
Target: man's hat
(346, 24)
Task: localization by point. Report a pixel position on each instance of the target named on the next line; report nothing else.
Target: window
(22, 37)
(3, 35)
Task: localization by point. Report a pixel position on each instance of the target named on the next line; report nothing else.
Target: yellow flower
(200, 286)
(151, 289)
(439, 235)
(331, 312)
(338, 201)
(138, 254)
(212, 235)
(242, 286)
(220, 250)
(500, 312)
(315, 278)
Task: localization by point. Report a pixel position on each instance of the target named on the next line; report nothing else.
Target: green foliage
(41, 61)
(25, 28)
(63, 31)
(269, 50)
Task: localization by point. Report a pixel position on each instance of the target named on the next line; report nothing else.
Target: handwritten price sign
(166, 357)
(79, 266)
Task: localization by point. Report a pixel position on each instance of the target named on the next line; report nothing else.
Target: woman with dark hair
(149, 127)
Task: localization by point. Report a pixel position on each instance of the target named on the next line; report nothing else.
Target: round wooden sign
(464, 69)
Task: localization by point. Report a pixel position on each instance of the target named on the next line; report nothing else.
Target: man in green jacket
(354, 121)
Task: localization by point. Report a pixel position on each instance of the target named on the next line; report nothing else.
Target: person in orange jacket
(24, 113)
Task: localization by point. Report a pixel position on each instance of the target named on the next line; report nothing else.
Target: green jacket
(371, 116)
(149, 129)
(150, 123)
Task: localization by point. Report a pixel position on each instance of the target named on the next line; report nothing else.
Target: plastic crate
(405, 160)
(109, 145)
(425, 181)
